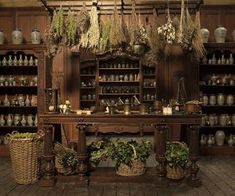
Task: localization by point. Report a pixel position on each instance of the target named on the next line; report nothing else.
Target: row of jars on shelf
(220, 34)
(119, 89)
(221, 60)
(18, 120)
(219, 139)
(17, 36)
(149, 97)
(88, 97)
(219, 99)
(119, 77)
(219, 79)
(88, 83)
(19, 100)
(149, 83)
(21, 80)
(88, 70)
(119, 65)
(149, 71)
(28, 60)
(221, 120)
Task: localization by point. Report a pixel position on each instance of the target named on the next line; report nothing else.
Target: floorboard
(217, 175)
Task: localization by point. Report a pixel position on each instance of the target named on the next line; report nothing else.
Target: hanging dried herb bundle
(197, 42)
(188, 31)
(55, 32)
(182, 18)
(133, 28)
(117, 36)
(94, 30)
(57, 24)
(155, 43)
(71, 28)
(105, 32)
(84, 20)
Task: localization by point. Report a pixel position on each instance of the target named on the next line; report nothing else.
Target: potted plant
(130, 157)
(177, 156)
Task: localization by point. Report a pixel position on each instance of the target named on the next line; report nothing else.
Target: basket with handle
(137, 168)
(24, 154)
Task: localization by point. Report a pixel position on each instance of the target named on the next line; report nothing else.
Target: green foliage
(71, 28)
(57, 24)
(121, 152)
(17, 135)
(177, 154)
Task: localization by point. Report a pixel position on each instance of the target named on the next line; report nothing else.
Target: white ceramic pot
(17, 37)
(35, 36)
(1, 37)
(205, 35)
(220, 34)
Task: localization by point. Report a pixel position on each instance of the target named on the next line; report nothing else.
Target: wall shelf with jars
(116, 79)
(217, 89)
(20, 67)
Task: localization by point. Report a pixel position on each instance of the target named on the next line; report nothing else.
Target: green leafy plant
(121, 152)
(177, 154)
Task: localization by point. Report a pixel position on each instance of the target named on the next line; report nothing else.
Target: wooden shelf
(118, 69)
(24, 46)
(18, 127)
(226, 45)
(213, 65)
(118, 94)
(216, 86)
(88, 87)
(218, 150)
(218, 127)
(217, 106)
(88, 100)
(119, 82)
(149, 87)
(87, 75)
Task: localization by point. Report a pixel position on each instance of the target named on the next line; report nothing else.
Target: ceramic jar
(17, 119)
(1, 37)
(230, 140)
(205, 100)
(223, 120)
(2, 120)
(35, 36)
(205, 35)
(212, 99)
(229, 99)
(220, 99)
(220, 137)
(9, 119)
(220, 34)
(233, 34)
(203, 140)
(17, 36)
(233, 119)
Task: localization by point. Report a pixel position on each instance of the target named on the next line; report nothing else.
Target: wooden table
(159, 123)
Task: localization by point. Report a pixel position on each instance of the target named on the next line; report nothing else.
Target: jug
(30, 120)
(16, 119)
(2, 120)
(9, 119)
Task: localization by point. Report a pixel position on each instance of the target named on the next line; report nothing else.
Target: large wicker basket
(137, 168)
(175, 172)
(25, 155)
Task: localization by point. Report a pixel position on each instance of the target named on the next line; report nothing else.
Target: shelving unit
(20, 88)
(217, 83)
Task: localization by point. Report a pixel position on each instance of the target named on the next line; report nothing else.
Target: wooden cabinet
(20, 88)
(217, 87)
(115, 78)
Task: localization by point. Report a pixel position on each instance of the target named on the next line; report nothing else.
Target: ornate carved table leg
(160, 148)
(48, 178)
(193, 148)
(82, 156)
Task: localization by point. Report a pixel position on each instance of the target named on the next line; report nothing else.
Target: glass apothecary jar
(51, 100)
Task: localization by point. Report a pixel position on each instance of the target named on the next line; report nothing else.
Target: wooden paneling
(7, 24)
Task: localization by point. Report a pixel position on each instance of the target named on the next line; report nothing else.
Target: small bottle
(15, 60)
(10, 62)
(31, 61)
(26, 60)
(20, 62)
(231, 60)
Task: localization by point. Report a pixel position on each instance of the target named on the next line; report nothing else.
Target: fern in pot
(130, 157)
(177, 156)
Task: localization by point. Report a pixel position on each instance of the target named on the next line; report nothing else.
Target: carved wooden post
(48, 178)
(82, 156)
(160, 148)
(194, 150)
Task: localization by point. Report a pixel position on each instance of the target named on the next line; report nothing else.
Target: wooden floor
(217, 174)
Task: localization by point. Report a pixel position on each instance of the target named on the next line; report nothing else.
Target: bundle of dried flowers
(133, 28)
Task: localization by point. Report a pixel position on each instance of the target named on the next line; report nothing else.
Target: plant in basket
(98, 151)
(177, 156)
(65, 160)
(130, 157)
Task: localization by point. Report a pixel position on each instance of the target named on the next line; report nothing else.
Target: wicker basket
(25, 155)
(175, 172)
(63, 170)
(137, 168)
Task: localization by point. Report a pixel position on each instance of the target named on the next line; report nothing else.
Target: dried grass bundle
(117, 36)
(197, 42)
(94, 30)
(182, 18)
(105, 31)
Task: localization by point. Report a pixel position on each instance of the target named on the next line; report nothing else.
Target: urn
(205, 35)
(35, 36)
(220, 34)
(17, 36)
(220, 137)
